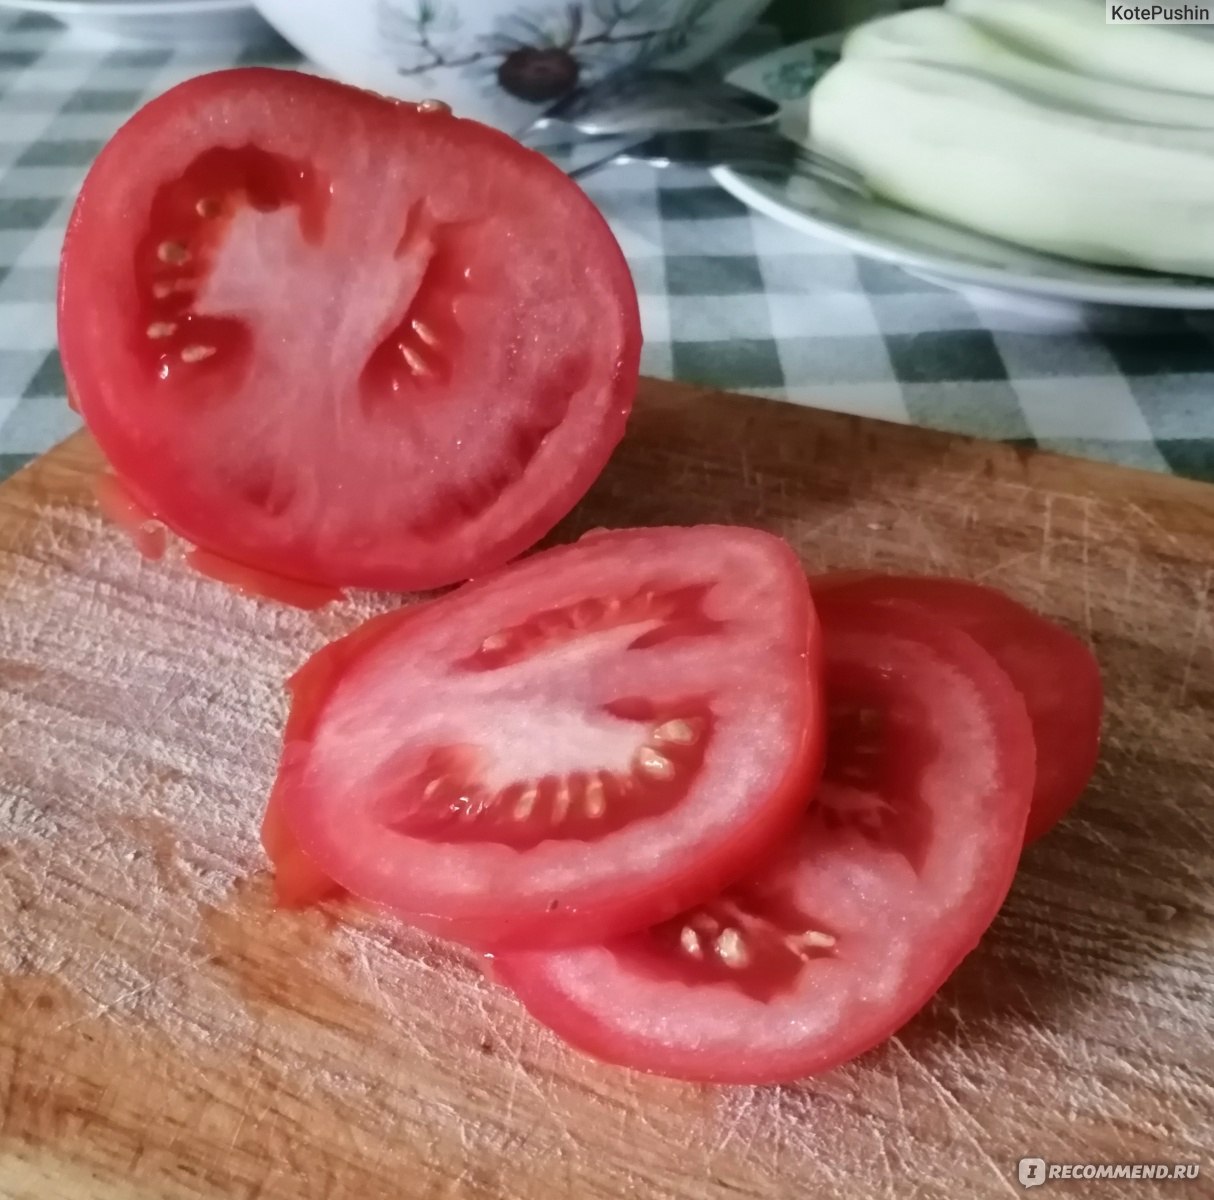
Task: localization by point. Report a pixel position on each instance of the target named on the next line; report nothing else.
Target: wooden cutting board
(164, 1034)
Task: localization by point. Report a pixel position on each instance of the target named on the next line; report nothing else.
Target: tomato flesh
(582, 744)
(903, 858)
(338, 339)
(298, 881)
(1054, 671)
(117, 504)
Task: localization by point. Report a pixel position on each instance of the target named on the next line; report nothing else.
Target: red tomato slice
(584, 743)
(1055, 672)
(340, 339)
(903, 859)
(298, 881)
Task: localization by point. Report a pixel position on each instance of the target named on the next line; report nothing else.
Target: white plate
(180, 21)
(935, 250)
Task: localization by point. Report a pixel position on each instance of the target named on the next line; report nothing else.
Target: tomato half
(340, 339)
(904, 856)
(581, 744)
(1055, 672)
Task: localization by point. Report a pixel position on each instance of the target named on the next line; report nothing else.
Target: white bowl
(180, 21)
(502, 61)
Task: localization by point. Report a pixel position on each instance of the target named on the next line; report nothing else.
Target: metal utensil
(759, 151)
(650, 101)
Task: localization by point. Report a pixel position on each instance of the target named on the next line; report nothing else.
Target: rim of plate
(124, 8)
(1145, 295)
(1124, 291)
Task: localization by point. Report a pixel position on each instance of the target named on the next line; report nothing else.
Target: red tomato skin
(249, 581)
(1066, 719)
(286, 570)
(298, 880)
(527, 973)
(566, 923)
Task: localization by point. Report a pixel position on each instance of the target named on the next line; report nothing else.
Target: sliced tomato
(903, 858)
(1055, 672)
(298, 880)
(581, 744)
(340, 339)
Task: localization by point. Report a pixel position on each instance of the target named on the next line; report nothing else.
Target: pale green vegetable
(993, 158)
(938, 35)
(1074, 34)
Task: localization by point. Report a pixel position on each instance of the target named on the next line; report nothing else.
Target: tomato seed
(680, 732)
(816, 939)
(560, 807)
(654, 764)
(413, 360)
(424, 332)
(596, 800)
(172, 252)
(731, 949)
(524, 805)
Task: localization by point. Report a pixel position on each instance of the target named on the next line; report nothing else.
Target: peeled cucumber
(1010, 164)
(941, 36)
(1074, 34)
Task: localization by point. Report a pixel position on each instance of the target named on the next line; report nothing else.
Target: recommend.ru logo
(1033, 1172)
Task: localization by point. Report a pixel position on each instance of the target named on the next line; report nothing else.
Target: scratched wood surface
(164, 1034)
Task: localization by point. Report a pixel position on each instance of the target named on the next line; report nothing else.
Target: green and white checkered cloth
(729, 298)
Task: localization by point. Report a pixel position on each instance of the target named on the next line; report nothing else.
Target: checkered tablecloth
(729, 298)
